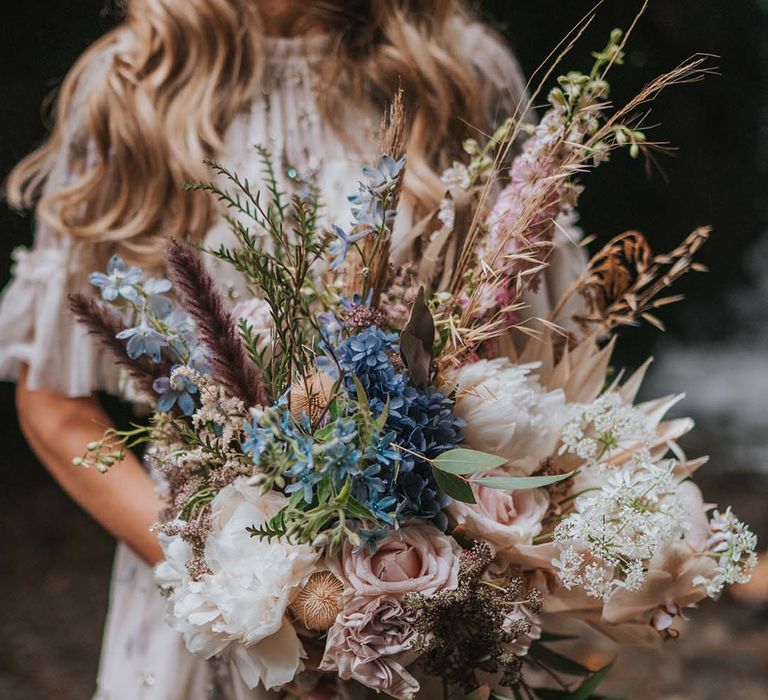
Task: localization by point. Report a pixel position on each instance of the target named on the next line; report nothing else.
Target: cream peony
(504, 519)
(508, 413)
(238, 609)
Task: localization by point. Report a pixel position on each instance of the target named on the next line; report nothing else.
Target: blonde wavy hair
(162, 101)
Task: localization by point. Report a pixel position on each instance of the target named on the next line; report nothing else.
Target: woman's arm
(124, 500)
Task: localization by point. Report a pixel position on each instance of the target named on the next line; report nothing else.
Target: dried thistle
(105, 325)
(218, 329)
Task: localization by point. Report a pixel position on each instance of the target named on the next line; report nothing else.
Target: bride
(177, 82)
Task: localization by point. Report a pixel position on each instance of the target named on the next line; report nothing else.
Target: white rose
(508, 413)
(238, 610)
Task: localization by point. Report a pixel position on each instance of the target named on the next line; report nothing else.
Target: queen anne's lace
(735, 544)
(618, 526)
(608, 426)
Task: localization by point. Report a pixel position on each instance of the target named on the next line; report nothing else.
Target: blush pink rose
(416, 559)
(504, 519)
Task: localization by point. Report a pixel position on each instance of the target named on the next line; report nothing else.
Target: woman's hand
(124, 500)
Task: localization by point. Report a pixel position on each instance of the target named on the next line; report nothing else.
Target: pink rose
(416, 559)
(505, 519)
(370, 643)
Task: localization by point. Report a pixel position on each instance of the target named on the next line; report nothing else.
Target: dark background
(54, 562)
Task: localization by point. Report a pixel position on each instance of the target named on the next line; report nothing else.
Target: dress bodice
(36, 327)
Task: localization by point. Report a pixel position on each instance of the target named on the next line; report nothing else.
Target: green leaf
(324, 490)
(519, 483)
(552, 637)
(551, 694)
(417, 340)
(454, 486)
(590, 685)
(362, 398)
(557, 661)
(324, 433)
(354, 508)
(464, 461)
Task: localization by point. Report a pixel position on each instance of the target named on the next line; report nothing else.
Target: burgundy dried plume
(217, 328)
(105, 325)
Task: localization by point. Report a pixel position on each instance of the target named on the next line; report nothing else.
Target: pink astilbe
(218, 330)
(540, 191)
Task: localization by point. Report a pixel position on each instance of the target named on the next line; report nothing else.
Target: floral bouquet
(391, 477)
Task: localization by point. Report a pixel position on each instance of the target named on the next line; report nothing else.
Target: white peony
(508, 413)
(238, 609)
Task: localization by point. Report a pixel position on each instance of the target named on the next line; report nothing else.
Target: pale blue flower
(257, 439)
(119, 281)
(385, 174)
(156, 285)
(369, 540)
(340, 247)
(175, 391)
(143, 340)
(383, 509)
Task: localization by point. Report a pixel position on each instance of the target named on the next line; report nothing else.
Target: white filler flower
(508, 413)
(237, 610)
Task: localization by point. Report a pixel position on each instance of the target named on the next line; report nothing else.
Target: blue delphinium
(143, 340)
(119, 281)
(372, 211)
(175, 391)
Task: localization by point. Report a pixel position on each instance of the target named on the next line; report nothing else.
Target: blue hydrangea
(421, 420)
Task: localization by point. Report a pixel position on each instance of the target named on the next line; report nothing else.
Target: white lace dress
(142, 658)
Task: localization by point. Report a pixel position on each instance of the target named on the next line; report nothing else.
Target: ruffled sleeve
(37, 328)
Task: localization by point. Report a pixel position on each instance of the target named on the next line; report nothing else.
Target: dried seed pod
(319, 601)
(311, 395)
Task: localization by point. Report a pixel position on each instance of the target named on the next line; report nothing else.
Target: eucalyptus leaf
(465, 461)
(519, 483)
(454, 486)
